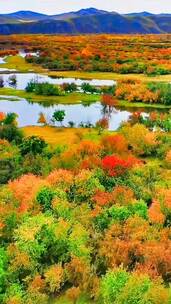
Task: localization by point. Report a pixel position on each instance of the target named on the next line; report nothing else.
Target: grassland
(18, 63)
(62, 136)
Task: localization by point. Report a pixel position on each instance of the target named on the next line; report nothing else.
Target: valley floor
(18, 63)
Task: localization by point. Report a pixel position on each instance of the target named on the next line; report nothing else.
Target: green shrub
(135, 290)
(44, 88)
(11, 133)
(45, 198)
(32, 144)
(112, 285)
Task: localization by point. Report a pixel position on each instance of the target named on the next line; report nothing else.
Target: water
(24, 79)
(23, 54)
(2, 61)
(28, 113)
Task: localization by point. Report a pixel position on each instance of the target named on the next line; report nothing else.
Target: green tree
(32, 144)
(59, 116)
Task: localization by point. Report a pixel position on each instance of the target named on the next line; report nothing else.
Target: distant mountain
(83, 12)
(21, 16)
(142, 14)
(84, 21)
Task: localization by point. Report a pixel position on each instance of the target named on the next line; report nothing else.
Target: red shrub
(116, 166)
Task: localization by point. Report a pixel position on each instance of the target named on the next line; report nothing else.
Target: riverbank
(109, 76)
(19, 64)
(72, 98)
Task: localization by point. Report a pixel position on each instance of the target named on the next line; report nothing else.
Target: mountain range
(84, 21)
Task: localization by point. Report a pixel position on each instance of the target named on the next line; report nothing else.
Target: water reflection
(23, 79)
(28, 112)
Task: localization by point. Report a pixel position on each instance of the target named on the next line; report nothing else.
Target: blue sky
(58, 6)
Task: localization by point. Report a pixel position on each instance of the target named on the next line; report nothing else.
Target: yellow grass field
(63, 136)
(56, 136)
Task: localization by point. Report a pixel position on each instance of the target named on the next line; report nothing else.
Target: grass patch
(18, 63)
(56, 136)
(127, 104)
(63, 136)
(73, 98)
(109, 76)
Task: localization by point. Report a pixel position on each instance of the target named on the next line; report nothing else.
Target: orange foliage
(168, 158)
(155, 213)
(122, 195)
(60, 177)
(109, 100)
(102, 198)
(38, 284)
(114, 144)
(25, 189)
(88, 148)
(78, 273)
(2, 116)
(73, 294)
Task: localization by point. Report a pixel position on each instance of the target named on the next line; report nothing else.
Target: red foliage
(102, 124)
(116, 166)
(109, 100)
(2, 116)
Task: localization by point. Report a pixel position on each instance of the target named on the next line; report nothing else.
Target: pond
(28, 113)
(24, 79)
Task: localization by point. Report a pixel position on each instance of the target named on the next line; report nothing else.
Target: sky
(59, 6)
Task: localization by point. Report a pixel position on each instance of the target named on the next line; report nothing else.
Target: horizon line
(86, 8)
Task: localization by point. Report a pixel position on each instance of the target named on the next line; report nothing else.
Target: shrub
(45, 197)
(164, 90)
(112, 285)
(11, 133)
(114, 144)
(44, 88)
(135, 290)
(54, 278)
(10, 119)
(116, 166)
(33, 144)
(88, 88)
(69, 87)
(102, 124)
